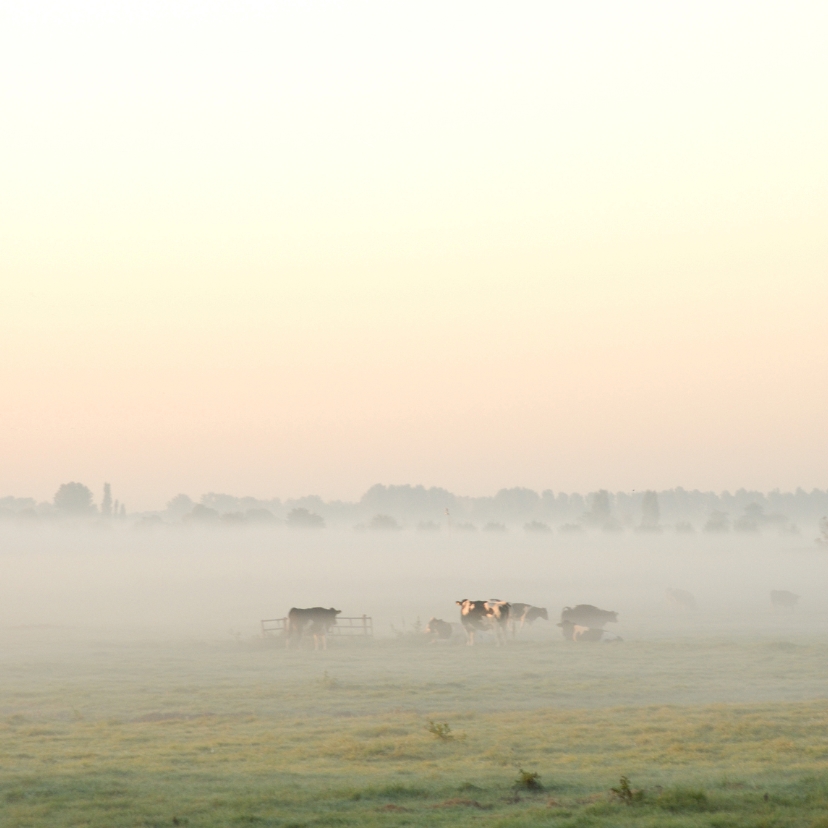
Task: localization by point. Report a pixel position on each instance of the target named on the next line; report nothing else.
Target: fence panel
(347, 627)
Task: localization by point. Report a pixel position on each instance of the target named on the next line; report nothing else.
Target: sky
(276, 249)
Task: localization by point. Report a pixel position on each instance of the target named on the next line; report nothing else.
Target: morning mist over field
(413, 414)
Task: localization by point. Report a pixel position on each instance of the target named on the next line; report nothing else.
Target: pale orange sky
(305, 249)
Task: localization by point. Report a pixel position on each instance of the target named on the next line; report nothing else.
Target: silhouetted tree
(106, 502)
(180, 505)
(823, 530)
(650, 513)
(384, 523)
(717, 522)
(74, 498)
(202, 514)
(599, 509)
(300, 518)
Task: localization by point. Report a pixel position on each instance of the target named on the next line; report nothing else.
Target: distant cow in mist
(681, 599)
(578, 633)
(484, 616)
(521, 614)
(438, 630)
(782, 599)
(317, 621)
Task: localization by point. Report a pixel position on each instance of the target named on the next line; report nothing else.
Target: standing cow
(586, 615)
(316, 620)
(521, 614)
(485, 616)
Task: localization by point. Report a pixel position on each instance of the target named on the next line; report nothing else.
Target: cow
(781, 598)
(681, 599)
(585, 615)
(521, 614)
(316, 620)
(484, 616)
(576, 632)
(438, 630)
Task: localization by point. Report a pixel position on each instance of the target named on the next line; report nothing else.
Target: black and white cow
(575, 632)
(484, 616)
(521, 614)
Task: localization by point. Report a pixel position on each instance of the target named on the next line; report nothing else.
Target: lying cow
(485, 616)
(438, 630)
(585, 615)
(317, 621)
(575, 632)
(520, 614)
(781, 598)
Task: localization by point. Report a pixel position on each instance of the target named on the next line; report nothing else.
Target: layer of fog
(195, 581)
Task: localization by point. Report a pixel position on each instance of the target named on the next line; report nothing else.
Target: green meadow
(719, 732)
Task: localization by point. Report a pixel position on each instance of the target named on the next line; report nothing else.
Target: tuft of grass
(441, 731)
(528, 781)
(329, 682)
(626, 793)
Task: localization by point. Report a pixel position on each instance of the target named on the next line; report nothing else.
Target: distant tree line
(391, 508)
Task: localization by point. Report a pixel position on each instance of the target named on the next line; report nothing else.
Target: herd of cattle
(583, 622)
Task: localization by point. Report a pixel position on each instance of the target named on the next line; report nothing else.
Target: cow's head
(540, 612)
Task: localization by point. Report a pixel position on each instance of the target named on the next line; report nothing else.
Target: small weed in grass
(329, 682)
(626, 793)
(527, 781)
(440, 731)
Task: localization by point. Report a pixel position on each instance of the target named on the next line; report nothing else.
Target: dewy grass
(214, 735)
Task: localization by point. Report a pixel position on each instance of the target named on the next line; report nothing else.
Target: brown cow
(485, 616)
(317, 620)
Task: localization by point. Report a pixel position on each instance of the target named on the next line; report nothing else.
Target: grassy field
(104, 732)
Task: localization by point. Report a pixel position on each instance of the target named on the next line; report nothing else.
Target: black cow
(485, 616)
(316, 620)
(438, 630)
(585, 615)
